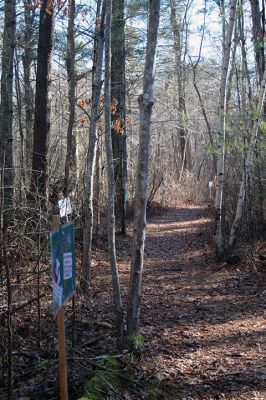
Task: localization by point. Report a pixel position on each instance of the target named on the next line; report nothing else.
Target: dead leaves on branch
(118, 122)
(51, 6)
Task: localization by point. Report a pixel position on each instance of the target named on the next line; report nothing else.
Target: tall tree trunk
(145, 107)
(21, 172)
(247, 166)
(258, 33)
(179, 67)
(41, 128)
(245, 71)
(202, 105)
(27, 57)
(118, 93)
(111, 181)
(6, 106)
(258, 38)
(70, 162)
(91, 157)
(219, 239)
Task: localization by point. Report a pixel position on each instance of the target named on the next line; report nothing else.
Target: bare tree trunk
(258, 31)
(70, 162)
(6, 106)
(258, 38)
(179, 66)
(111, 181)
(145, 106)
(245, 70)
(21, 172)
(97, 184)
(91, 157)
(219, 239)
(247, 166)
(27, 57)
(118, 92)
(202, 105)
(41, 129)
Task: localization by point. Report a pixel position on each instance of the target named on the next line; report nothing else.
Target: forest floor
(203, 321)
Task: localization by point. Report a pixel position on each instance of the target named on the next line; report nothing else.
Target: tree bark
(6, 106)
(118, 93)
(219, 195)
(41, 128)
(179, 67)
(111, 181)
(27, 58)
(93, 139)
(258, 32)
(70, 161)
(145, 106)
(258, 38)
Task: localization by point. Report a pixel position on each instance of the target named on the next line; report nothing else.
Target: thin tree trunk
(97, 184)
(247, 166)
(21, 172)
(6, 106)
(219, 239)
(179, 66)
(111, 181)
(41, 129)
(244, 55)
(258, 31)
(91, 157)
(118, 93)
(202, 106)
(27, 57)
(233, 69)
(70, 162)
(145, 106)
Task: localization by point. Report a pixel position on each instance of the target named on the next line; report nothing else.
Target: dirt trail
(205, 322)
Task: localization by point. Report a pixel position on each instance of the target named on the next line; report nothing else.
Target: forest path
(204, 321)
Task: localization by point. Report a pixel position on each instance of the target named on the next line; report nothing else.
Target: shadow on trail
(193, 306)
(232, 384)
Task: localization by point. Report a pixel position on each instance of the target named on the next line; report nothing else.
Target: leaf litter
(203, 322)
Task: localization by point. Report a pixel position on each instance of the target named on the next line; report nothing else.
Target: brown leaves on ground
(204, 322)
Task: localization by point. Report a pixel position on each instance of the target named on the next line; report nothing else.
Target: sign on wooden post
(63, 278)
(63, 264)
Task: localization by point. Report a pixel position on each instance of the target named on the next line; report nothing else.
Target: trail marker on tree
(63, 278)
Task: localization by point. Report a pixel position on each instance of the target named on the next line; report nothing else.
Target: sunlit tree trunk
(110, 173)
(145, 106)
(6, 105)
(219, 196)
(93, 139)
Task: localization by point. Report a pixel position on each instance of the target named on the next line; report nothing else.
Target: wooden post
(60, 322)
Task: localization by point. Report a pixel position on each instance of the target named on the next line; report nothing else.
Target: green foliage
(103, 380)
(263, 126)
(136, 7)
(211, 149)
(137, 341)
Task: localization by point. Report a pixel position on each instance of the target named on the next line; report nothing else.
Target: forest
(132, 199)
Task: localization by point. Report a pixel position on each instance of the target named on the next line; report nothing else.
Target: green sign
(63, 264)
(126, 196)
